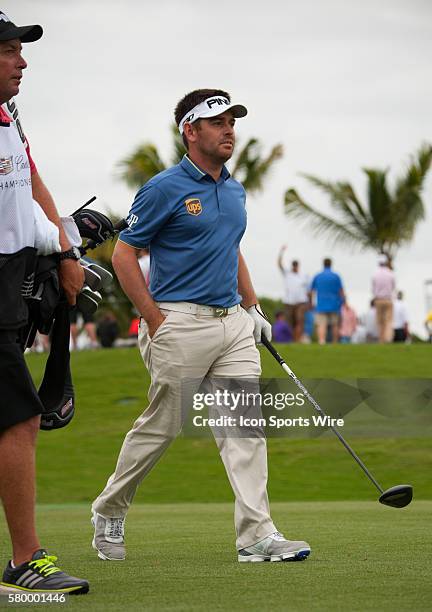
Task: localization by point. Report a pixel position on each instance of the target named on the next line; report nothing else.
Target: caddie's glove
(262, 325)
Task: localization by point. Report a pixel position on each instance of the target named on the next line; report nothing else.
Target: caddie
(29, 225)
(199, 318)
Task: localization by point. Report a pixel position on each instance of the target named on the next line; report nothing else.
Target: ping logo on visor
(212, 101)
(211, 107)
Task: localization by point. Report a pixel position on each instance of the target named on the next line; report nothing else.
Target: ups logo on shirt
(193, 206)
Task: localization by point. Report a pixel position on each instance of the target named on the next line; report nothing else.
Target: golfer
(24, 229)
(200, 318)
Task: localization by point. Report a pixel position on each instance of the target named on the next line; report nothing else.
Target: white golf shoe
(108, 537)
(275, 548)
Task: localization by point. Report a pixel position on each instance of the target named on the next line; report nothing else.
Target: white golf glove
(262, 325)
(46, 233)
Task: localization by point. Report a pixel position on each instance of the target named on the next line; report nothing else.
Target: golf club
(83, 206)
(398, 496)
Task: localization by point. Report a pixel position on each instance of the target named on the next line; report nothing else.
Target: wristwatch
(72, 253)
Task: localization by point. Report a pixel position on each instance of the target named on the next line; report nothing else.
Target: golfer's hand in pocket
(261, 323)
(154, 323)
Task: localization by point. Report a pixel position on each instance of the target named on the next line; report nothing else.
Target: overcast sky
(341, 84)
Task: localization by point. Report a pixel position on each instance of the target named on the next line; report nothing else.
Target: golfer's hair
(192, 99)
(327, 262)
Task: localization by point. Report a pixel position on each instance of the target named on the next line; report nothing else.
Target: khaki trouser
(193, 346)
(384, 315)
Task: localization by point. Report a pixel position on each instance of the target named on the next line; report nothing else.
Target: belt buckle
(220, 312)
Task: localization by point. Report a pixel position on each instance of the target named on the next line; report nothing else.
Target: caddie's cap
(216, 105)
(382, 259)
(9, 31)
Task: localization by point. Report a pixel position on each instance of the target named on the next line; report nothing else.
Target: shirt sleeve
(148, 214)
(33, 168)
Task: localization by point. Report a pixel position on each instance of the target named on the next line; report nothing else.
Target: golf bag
(49, 314)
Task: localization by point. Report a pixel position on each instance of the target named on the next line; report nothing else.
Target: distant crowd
(315, 307)
(319, 305)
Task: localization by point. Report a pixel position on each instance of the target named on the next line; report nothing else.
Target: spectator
(76, 317)
(348, 323)
(281, 330)
(383, 286)
(400, 319)
(371, 324)
(107, 330)
(296, 297)
(308, 328)
(329, 296)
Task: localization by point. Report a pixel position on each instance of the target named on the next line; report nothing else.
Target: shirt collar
(4, 117)
(195, 171)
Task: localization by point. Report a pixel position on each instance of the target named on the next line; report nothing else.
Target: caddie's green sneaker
(40, 575)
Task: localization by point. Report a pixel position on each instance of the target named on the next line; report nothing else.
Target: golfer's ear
(190, 131)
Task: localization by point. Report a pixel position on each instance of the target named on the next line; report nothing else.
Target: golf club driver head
(397, 497)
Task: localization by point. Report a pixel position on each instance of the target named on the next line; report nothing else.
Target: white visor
(216, 105)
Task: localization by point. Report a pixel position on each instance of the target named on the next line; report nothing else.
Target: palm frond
(379, 200)
(389, 219)
(250, 168)
(243, 157)
(344, 200)
(320, 224)
(408, 207)
(141, 165)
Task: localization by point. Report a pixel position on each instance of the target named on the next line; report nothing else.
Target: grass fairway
(181, 558)
(111, 388)
(179, 531)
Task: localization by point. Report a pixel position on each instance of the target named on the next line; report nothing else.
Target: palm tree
(384, 223)
(249, 167)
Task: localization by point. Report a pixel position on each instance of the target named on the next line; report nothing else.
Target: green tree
(250, 167)
(387, 220)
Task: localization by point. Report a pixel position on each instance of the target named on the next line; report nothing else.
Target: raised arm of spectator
(280, 258)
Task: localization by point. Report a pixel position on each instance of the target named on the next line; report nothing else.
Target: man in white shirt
(24, 231)
(296, 297)
(400, 319)
(383, 287)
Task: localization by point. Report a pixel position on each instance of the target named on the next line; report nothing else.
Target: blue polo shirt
(193, 225)
(327, 285)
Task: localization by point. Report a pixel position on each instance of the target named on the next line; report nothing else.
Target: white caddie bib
(16, 202)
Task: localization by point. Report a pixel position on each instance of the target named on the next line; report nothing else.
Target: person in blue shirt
(200, 321)
(329, 296)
